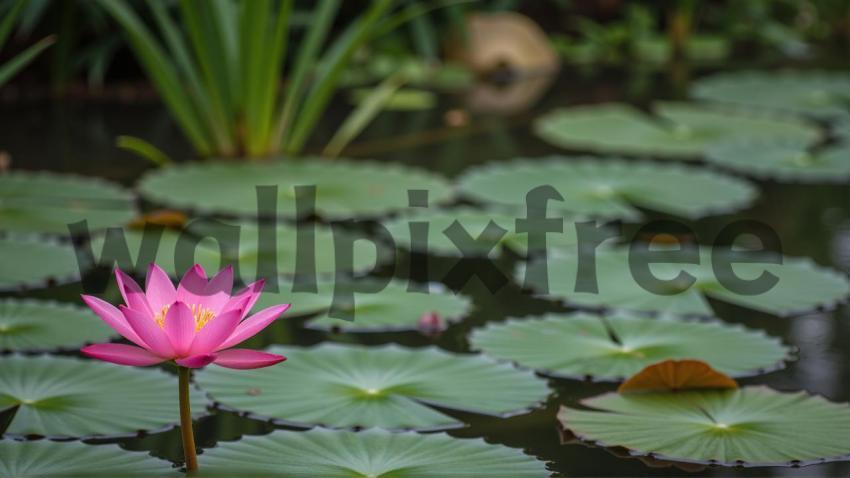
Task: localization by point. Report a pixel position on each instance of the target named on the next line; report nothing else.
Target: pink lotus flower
(195, 324)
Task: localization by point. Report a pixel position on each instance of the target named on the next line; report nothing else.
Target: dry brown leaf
(677, 375)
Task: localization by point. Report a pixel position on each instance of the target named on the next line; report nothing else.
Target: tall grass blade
(308, 54)
(365, 112)
(208, 46)
(143, 149)
(254, 37)
(331, 70)
(424, 37)
(178, 49)
(22, 59)
(272, 74)
(416, 9)
(8, 22)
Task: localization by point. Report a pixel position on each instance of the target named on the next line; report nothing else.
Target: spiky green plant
(16, 64)
(219, 68)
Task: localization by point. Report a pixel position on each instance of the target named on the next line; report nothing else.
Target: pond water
(812, 220)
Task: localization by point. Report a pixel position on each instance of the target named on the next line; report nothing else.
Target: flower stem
(186, 421)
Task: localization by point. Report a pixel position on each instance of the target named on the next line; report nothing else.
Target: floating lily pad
(783, 162)
(396, 308)
(841, 129)
(67, 397)
(676, 131)
(344, 189)
(30, 262)
(388, 387)
(391, 309)
(474, 222)
(31, 325)
(612, 188)
(247, 254)
(802, 286)
(303, 303)
(374, 452)
(50, 459)
(752, 426)
(815, 93)
(618, 346)
(48, 203)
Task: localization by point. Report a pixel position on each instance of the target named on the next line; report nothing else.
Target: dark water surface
(811, 221)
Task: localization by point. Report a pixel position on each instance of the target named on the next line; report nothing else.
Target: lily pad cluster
(394, 392)
(62, 397)
(671, 130)
(613, 188)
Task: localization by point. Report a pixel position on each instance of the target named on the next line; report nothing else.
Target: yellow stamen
(201, 314)
(159, 318)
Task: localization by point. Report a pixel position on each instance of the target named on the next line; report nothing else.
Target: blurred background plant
(22, 59)
(86, 41)
(584, 31)
(225, 72)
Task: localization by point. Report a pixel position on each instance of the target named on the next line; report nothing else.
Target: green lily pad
(783, 161)
(395, 308)
(47, 202)
(618, 346)
(303, 303)
(611, 188)
(248, 253)
(374, 452)
(344, 189)
(802, 286)
(392, 309)
(815, 93)
(31, 262)
(388, 387)
(676, 131)
(474, 222)
(841, 129)
(32, 325)
(752, 426)
(68, 397)
(50, 459)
